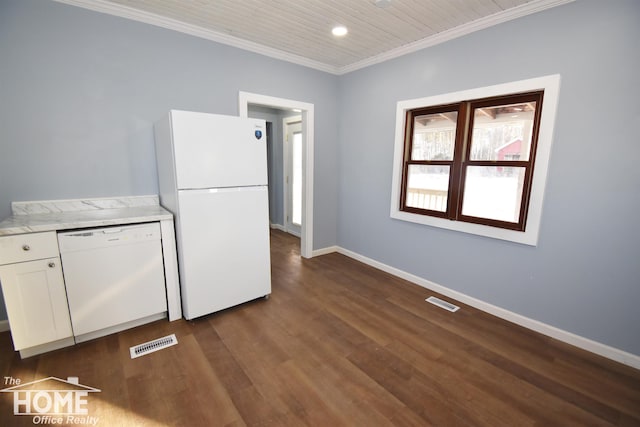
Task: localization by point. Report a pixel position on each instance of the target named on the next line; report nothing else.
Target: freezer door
(214, 151)
(223, 244)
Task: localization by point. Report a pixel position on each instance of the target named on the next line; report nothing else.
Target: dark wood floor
(338, 344)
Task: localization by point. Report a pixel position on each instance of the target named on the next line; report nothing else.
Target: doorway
(306, 113)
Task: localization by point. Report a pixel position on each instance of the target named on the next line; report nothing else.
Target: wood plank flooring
(337, 344)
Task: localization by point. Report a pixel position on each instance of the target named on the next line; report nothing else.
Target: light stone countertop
(93, 213)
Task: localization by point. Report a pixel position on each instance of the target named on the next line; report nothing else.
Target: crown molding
(128, 12)
(194, 30)
(530, 8)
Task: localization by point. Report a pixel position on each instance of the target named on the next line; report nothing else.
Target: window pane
(427, 187)
(502, 132)
(493, 192)
(434, 136)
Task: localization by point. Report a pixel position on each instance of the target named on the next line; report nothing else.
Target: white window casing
(551, 86)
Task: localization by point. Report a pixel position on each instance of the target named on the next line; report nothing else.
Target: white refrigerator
(212, 175)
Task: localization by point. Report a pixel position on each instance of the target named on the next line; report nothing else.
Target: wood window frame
(408, 138)
(526, 231)
(528, 165)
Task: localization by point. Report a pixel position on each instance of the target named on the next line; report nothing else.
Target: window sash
(461, 162)
(406, 206)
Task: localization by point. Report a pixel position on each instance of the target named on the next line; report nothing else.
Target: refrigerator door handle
(225, 189)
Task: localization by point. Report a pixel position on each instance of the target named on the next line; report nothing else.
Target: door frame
(307, 113)
(288, 167)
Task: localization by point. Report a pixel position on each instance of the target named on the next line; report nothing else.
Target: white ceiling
(299, 31)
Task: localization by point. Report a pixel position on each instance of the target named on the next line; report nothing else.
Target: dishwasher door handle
(112, 230)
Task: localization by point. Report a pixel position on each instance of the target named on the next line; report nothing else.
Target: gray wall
(584, 276)
(80, 91)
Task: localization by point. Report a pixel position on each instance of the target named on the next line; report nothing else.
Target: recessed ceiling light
(339, 31)
(383, 3)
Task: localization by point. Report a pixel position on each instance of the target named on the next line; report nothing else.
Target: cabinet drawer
(28, 247)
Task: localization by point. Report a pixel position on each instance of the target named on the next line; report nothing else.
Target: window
(476, 161)
(472, 161)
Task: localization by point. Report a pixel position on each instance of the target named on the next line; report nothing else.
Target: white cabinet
(34, 292)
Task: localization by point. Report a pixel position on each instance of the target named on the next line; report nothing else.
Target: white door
(36, 302)
(224, 238)
(213, 151)
(293, 174)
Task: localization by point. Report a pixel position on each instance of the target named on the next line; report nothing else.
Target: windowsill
(526, 237)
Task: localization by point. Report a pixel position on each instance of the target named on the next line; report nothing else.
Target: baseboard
(604, 350)
(4, 325)
(324, 251)
(283, 228)
(278, 227)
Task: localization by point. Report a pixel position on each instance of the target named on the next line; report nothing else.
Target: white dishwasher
(114, 278)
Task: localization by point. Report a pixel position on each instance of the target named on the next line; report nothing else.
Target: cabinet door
(36, 302)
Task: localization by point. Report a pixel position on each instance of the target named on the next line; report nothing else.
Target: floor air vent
(151, 346)
(442, 304)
